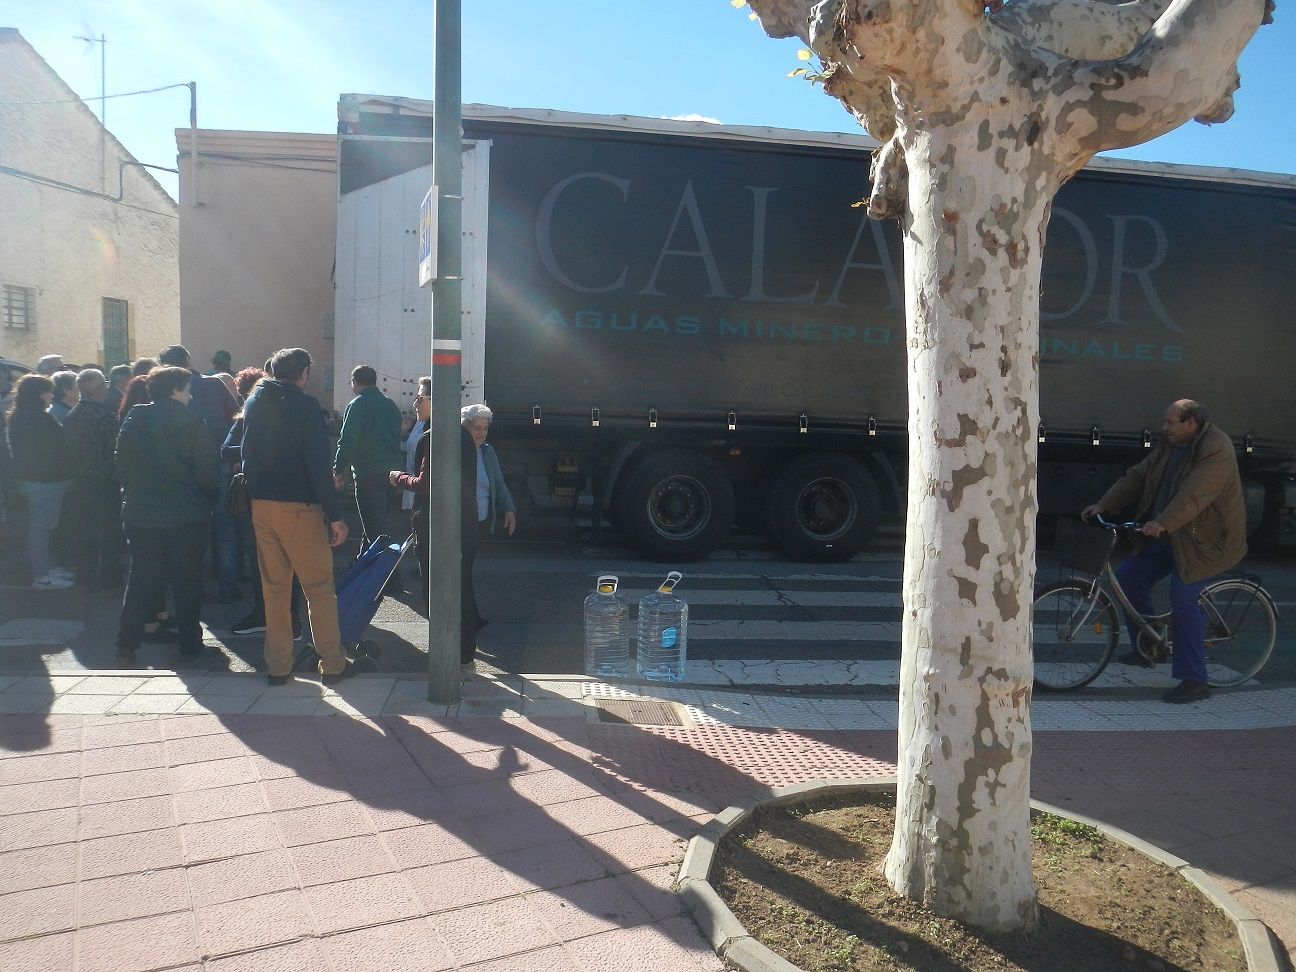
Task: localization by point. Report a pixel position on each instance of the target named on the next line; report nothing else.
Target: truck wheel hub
(679, 508)
(826, 508)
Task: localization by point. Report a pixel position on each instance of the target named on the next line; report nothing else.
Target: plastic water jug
(663, 632)
(607, 631)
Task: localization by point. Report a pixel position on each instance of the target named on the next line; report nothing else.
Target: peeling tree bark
(985, 113)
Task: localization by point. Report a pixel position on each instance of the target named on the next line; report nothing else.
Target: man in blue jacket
(211, 399)
(296, 513)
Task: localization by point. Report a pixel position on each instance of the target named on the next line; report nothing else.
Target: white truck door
(382, 317)
(476, 180)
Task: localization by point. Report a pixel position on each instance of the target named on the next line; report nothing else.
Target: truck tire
(675, 506)
(822, 508)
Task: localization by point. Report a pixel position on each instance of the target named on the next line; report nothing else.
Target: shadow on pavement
(477, 810)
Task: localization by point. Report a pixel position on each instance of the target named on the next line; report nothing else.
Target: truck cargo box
(725, 287)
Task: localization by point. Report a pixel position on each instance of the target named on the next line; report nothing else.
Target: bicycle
(1076, 629)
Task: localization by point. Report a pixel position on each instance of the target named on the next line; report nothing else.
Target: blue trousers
(1137, 575)
(44, 504)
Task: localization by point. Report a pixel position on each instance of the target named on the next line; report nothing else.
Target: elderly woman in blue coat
(492, 494)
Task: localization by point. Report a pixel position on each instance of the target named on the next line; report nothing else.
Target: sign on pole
(428, 238)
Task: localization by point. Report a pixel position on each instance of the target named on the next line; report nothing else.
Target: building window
(19, 307)
(116, 334)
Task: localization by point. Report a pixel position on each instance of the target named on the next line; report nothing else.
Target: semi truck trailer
(683, 325)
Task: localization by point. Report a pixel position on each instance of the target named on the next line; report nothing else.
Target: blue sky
(280, 65)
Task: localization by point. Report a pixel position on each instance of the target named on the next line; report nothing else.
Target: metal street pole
(102, 41)
(193, 143)
(447, 354)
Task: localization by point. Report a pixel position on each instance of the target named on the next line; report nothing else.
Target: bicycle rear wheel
(1241, 627)
(1073, 634)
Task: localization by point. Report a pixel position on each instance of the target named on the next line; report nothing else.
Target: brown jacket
(1206, 516)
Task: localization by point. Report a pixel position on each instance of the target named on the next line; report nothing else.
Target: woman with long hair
(137, 393)
(42, 472)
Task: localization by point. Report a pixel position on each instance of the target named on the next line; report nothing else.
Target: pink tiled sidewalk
(283, 842)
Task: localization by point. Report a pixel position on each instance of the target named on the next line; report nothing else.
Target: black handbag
(238, 502)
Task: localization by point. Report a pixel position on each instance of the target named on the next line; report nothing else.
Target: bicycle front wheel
(1241, 627)
(1073, 633)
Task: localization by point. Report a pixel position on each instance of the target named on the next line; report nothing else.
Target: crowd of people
(135, 481)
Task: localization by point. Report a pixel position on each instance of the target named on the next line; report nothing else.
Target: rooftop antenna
(102, 41)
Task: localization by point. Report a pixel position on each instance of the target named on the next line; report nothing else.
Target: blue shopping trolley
(359, 593)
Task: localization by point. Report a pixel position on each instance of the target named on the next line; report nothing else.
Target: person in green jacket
(368, 448)
(169, 468)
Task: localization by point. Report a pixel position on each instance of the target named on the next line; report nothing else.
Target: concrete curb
(732, 943)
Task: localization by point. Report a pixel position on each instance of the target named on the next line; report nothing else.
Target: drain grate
(637, 712)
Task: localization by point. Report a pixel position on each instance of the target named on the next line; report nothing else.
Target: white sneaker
(62, 572)
(51, 583)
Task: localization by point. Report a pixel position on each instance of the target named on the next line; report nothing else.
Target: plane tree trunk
(985, 113)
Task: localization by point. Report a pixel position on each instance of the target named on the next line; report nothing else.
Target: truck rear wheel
(676, 506)
(822, 507)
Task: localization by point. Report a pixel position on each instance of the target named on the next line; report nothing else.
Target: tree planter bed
(732, 941)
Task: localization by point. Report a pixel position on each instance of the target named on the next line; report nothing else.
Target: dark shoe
(162, 635)
(1187, 692)
(1134, 658)
(341, 676)
(126, 657)
(189, 651)
(252, 624)
(278, 679)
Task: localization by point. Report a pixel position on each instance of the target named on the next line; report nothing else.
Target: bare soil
(806, 881)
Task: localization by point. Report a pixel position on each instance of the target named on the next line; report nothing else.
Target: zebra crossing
(754, 619)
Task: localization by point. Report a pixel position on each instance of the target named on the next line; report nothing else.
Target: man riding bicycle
(1189, 492)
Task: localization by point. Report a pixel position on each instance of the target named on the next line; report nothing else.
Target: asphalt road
(748, 606)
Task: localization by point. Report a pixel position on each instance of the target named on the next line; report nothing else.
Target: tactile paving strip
(723, 755)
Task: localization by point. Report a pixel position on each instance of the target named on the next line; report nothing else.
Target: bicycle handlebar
(1131, 526)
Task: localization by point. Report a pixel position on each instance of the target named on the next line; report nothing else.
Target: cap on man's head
(49, 364)
(221, 358)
